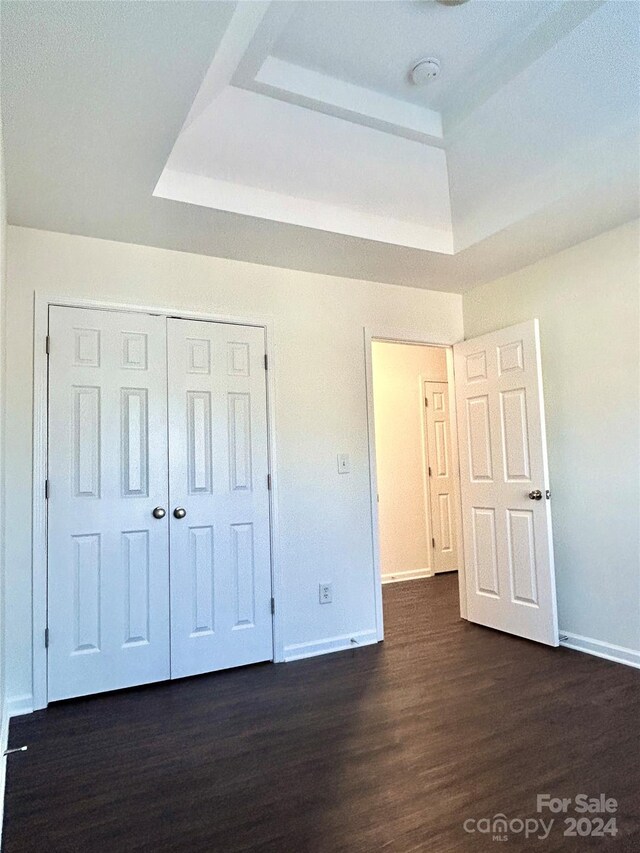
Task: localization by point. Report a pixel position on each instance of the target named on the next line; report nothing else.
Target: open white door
(506, 517)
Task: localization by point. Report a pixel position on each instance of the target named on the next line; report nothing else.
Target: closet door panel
(108, 556)
(220, 548)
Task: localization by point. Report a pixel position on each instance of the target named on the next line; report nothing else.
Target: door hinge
(46, 490)
(426, 401)
(47, 344)
(429, 470)
(273, 605)
(433, 543)
(46, 638)
(269, 482)
(266, 361)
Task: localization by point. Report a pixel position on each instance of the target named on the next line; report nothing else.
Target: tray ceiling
(289, 133)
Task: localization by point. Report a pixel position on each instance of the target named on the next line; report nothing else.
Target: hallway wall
(398, 372)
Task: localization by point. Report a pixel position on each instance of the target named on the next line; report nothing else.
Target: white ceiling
(262, 156)
(373, 44)
(287, 133)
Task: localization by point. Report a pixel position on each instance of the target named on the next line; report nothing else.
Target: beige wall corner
(587, 301)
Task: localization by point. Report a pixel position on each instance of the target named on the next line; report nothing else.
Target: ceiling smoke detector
(452, 2)
(425, 70)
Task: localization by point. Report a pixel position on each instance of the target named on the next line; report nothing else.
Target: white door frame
(398, 337)
(42, 301)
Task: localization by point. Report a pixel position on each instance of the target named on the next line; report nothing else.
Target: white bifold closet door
(220, 563)
(158, 514)
(108, 556)
(506, 517)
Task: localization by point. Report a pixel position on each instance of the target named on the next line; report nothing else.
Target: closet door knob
(158, 512)
(535, 495)
(179, 512)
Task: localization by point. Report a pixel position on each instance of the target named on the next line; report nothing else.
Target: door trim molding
(394, 336)
(41, 304)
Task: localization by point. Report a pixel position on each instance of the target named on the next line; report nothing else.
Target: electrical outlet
(326, 593)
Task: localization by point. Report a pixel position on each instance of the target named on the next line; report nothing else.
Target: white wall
(400, 448)
(320, 408)
(3, 265)
(587, 301)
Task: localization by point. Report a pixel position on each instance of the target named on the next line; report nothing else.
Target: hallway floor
(384, 748)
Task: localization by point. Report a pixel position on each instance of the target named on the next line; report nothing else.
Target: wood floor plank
(384, 748)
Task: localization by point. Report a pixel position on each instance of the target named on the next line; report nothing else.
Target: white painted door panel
(108, 569)
(220, 552)
(442, 479)
(510, 579)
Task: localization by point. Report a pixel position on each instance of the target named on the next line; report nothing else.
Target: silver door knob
(158, 512)
(535, 495)
(179, 512)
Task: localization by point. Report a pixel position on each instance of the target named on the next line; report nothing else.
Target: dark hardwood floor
(385, 748)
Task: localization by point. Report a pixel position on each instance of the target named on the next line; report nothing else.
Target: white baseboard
(17, 705)
(619, 654)
(13, 707)
(297, 651)
(412, 575)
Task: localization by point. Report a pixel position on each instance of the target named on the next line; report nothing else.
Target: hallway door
(442, 479)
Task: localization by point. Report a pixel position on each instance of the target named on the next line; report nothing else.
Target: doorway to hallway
(416, 456)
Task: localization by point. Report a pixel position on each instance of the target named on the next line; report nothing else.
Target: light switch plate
(344, 463)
